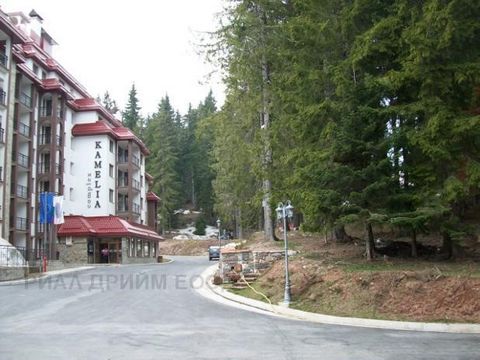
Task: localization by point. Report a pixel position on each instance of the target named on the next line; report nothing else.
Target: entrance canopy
(105, 226)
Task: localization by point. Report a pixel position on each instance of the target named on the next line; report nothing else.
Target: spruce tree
(131, 115)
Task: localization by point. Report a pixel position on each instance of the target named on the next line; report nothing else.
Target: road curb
(294, 314)
(47, 275)
(72, 270)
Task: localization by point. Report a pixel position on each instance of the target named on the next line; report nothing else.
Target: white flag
(58, 213)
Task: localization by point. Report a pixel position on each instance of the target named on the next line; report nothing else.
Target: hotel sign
(94, 179)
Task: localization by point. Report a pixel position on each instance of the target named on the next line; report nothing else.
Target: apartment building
(54, 137)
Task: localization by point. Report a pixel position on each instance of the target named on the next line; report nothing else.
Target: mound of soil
(186, 247)
(335, 278)
(426, 295)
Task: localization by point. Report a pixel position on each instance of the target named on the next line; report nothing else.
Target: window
(71, 168)
(141, 203)
(71, 195)
(132, 247)
(146, 246)
(44, 75)
(110, 195)
(110, 170)
(141, 181)
(35, 69)
(139, 248)
(111, 146)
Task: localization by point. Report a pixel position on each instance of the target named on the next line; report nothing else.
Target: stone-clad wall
(75, 253)
(251, 261)
(134, 260)
(12, 273)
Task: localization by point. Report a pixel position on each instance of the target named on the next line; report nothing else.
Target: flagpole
(45, 224)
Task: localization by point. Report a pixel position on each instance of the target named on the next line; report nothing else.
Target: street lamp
(285, 211)
(218, 227)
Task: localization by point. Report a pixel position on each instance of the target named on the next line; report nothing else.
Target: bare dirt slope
(336, 279)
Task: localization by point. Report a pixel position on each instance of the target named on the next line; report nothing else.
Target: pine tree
(246, 48)
(109, 104)
(162, 139)
(131, 115)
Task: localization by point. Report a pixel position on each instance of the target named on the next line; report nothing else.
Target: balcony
(21, 191)
(136, 160)
(21, 223)
(136, 185)
(4, 60)
(122, 182)
(25, 99)
(47, 111)
(20, 159)
(44, 168)
(46, 139)
(3, 97)
(121, 208)
(122, 160)
(136, 209)
(23, 129)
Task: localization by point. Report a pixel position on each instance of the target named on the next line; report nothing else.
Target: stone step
(238, 286)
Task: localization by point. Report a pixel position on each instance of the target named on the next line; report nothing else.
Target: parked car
(213, 252)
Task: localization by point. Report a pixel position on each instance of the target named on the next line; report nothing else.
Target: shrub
(200, 226)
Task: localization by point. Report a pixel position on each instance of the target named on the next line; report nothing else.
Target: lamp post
(285, 211)
(219, 237)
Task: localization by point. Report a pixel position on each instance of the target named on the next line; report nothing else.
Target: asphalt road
(152, 312)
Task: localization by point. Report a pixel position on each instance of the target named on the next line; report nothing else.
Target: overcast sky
(108, 45)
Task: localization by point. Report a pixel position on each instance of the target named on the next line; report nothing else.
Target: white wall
(89, 177)
(85, 117)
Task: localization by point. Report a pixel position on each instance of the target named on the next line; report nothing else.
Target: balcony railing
(46, 139)
(21, 223)
(136, 184)
(21, 191)
(48, 111)
(136, 209)
(13, 255)
(122, 182)
(44, 168)
(123, 159)
(135, 160)
(25, 99)
(4, 59)
(23, 129)
(3, 97)
(20, 159)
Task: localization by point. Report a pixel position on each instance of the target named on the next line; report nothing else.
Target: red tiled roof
(104, 128)
(105, 226)
(90, 104)
(151, 196)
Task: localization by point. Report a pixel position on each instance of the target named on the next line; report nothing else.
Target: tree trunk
(414, 244)
(370, 245)
(238, 223)
(447, 245)
(267, 152)
(341, 235)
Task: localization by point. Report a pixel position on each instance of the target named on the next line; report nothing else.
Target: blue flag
(47, 211)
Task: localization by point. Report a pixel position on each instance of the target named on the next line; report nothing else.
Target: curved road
(152, 312)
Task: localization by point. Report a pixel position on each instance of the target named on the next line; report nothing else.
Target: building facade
(54, 137)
